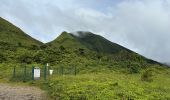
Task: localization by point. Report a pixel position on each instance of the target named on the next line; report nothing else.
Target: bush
(147, 76)
(43, 46)
(34, 47)
(81, 51)
(26, 58)
(134, 68)
(2, 58)
(62, 48)
(19, 44)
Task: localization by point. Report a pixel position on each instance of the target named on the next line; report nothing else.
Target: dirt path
(8, 92)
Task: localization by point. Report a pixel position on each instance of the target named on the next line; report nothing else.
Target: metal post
(45, 70)
(24, 73)
(32, 72)
(62, 70)
(14, 72)
(75, 70)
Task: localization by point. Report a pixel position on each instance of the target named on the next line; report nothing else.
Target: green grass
(109, 86)
(101, 85)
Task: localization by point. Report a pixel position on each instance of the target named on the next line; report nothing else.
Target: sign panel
(51, 71)
(36, 73)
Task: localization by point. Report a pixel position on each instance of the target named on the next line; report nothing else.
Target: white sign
(51, 71)
(36, 73)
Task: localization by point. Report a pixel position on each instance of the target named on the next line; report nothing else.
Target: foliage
(2, 58)
(108, 86)
(147, 75)
(25, 56)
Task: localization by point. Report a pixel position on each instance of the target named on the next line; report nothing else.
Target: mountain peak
(88, 40)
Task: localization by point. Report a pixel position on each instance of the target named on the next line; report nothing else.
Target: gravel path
(8, 92)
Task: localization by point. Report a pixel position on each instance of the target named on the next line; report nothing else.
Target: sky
(140, 25)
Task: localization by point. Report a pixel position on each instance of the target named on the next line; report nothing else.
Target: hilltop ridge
(11, 34)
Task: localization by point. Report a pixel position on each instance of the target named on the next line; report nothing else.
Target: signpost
(51, 71)
(36, 73)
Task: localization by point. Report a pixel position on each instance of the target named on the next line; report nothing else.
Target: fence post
(32, 72)
(14, 72)
(45, 70)
(61, 70)
(75, 70)
(24, 73)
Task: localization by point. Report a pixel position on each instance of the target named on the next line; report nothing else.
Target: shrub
(81, 51)
(43, 46)
(134, 69)
(26, 58)
(2, 58)
(19, 44)
(62, 48)
(34, 47)
(147, 76)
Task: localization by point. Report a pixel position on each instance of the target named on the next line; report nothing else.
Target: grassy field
(117, 85)
(109, 86)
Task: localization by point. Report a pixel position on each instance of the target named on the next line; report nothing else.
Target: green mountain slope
(67, 40)
(89, 41)
(10, 34)
(16, 46)
(98, 44)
